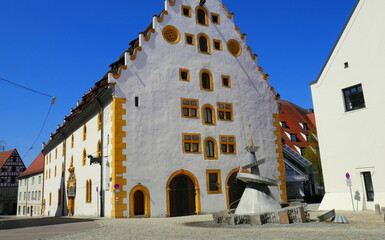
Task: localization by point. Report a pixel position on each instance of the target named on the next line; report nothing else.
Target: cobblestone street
(363, 225)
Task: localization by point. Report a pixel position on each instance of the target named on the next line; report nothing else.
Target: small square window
(284, 124)
(228, 144)
(191, 143)
(186, 11)
(215, 18)
(354, 97)
(190, 39)
(294, 138)
(184, 75)
(226, 82)
(190, 108)
(217, 44)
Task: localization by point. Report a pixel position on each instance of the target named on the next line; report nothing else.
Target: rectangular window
(186, 11)
(190, 40)
(303, 150)
(228, 144)
(136, 101)
(213, 180)
(284, 125)
(190, 108)
(184, 74)
(304, 126)
(225, 111)
(368, 186)
(354, 97)
(58, 196)
(215, 18)
(226, 81)
(50, 198)
(217, 44)
(191, 143)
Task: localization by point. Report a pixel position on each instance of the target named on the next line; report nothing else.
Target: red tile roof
(293, 115)
(4, 156)
(36, 166)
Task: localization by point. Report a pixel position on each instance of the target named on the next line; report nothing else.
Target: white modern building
(347, 101)
(167, 126)
(30, 190)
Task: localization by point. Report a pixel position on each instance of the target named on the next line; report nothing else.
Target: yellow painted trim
(229, 79)
(174, 31)
(189, 11)
(220, 44)
(214, 119)
(191, 142)
(216, 15)
(215, 148)
(234, 43)
(189, 35)
(148, 36)
(208, 43)
(219, 181)
(161, 16)
(196, 189)
(251, 53)
(211, 80)
(228, 143)
(189, 107)
(180, 74)
(225, 110)
(117, 157)
(264, 76)
(239, 32)
(280, 160)
(133, 56)
(124, 67)
(147, 199)
(229, 15)
(206, 15)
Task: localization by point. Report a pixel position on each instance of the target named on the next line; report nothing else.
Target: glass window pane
(187, 147)
(195, 147)
(195, 137)
(193, 112)
(187, 137)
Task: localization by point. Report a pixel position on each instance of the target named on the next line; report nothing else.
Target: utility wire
(41, 129)
(26, 88)
(53, 100)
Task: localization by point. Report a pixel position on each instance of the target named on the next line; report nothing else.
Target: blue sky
(62, 47)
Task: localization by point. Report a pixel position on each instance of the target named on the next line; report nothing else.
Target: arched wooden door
(182, 196)
(235, 188)
(138, 203)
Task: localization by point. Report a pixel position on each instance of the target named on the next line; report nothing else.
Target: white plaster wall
(26, 186)
(154, 129)
(352, 141)
(82, 172)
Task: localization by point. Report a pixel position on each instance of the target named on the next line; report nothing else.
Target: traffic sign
(347, 175)
(117, 191)
(116, 186)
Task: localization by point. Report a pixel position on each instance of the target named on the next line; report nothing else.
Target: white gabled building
(347, 101)
(30, 190)
(171, 120)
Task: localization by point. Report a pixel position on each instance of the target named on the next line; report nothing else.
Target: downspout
(63, 176)
(102, 157)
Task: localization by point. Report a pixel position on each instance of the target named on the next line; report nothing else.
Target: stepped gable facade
(165, 131)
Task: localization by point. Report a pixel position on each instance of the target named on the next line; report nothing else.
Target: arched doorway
(139, 201)
(235, 189)
(183, 194)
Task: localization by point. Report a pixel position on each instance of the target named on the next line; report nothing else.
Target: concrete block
(284, 218)
(256, 220)
(302, 215)
(377, 209)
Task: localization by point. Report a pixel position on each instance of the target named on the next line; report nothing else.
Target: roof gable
(4, 156)
(36, 166)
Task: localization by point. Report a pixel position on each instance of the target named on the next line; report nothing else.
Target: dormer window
(304, 126)
(294, 138)
(284, 125)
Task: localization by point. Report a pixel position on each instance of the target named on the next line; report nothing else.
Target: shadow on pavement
(37, 222)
